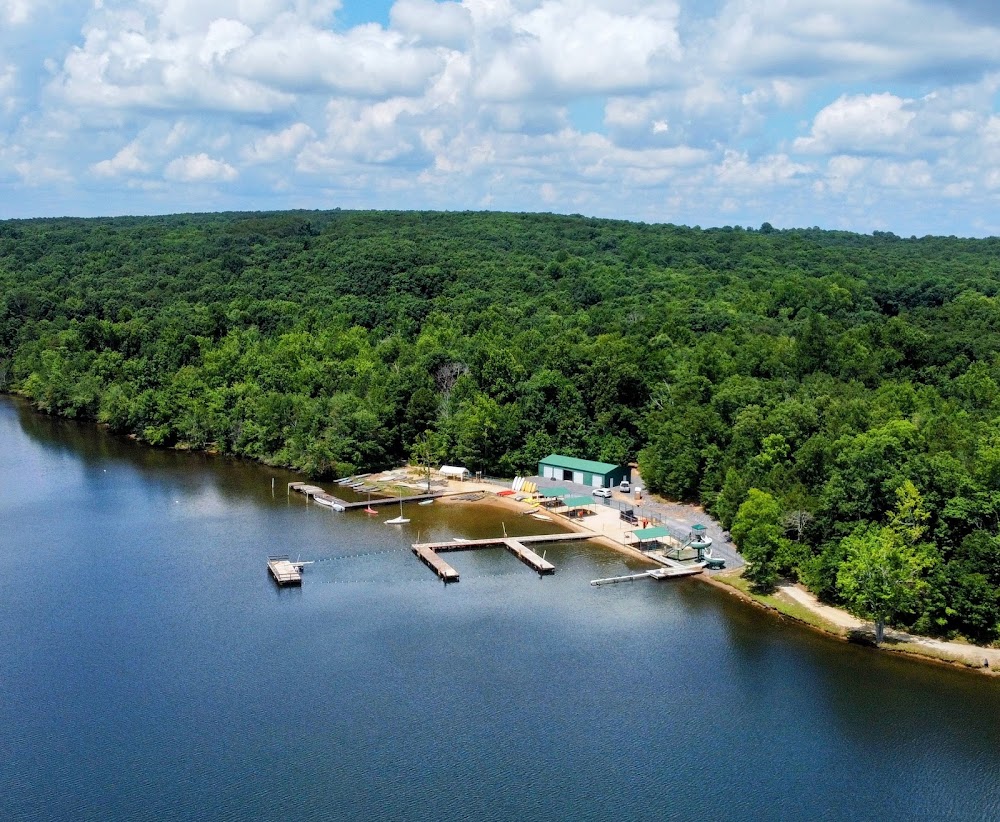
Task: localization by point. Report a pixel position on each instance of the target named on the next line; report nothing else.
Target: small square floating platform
(284, 571)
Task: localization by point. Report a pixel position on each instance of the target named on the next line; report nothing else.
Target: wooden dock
(284, 571)
(319, 495)
(435, 563)
(374, 503)
(529, 557)
(494, 541)
(428, 551)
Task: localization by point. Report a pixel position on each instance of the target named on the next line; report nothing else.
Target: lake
(151, 669)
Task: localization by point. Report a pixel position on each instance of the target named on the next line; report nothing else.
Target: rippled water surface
(150, 669)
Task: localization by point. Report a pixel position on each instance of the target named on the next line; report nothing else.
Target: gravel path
(833, 615)
(973, 655)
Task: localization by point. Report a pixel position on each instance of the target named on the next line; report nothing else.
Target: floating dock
(284, 571)
(626, 578)
(428, 551)
(658, 573)
(670, 573)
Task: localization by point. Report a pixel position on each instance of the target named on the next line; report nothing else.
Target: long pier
(321, 496)
(428, 551)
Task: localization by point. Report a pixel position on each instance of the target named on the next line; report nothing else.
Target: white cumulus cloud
(850, 40)
(14, 12)
(432, 23)
(860, 123)
(857, 113)
(279, 145)
(740, 172)
(126, 161)
(367, 61)
(575, 47)
(199, 168)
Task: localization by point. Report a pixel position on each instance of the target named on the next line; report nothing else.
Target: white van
(624, 487)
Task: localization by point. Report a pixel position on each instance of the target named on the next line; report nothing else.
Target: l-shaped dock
(428, 551)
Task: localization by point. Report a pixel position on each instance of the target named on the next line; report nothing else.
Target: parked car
(624, 487)
(602, 492)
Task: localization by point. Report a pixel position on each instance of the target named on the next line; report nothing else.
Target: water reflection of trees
(194, 472)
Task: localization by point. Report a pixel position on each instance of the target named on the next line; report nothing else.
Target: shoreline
(797, 604)
(792, 602)
(810, 614)
(523, 509)
(977, 659)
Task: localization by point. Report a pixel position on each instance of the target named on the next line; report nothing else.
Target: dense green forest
(818, 391)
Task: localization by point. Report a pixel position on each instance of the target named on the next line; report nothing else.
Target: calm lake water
(150, 669)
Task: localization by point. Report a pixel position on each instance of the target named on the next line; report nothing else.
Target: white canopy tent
(454, 472)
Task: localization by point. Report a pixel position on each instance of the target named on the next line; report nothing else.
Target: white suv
(602, 492)
(624, 487)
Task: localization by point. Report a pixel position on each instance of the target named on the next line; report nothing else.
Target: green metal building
(584, 472)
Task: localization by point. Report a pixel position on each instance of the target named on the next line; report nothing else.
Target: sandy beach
(604, 525)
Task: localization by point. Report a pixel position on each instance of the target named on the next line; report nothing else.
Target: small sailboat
(426, 502)
(369, 510)
(400, 519)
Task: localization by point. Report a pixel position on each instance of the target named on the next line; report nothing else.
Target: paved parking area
(675, 515)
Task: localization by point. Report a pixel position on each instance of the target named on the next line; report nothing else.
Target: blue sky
(874, 115)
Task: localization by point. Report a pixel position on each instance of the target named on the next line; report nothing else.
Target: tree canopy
(822, 368)
(883, 574)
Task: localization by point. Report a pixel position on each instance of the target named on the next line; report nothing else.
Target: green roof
(651, 533)
(576, 502)
(552, 492)
(574, 464)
